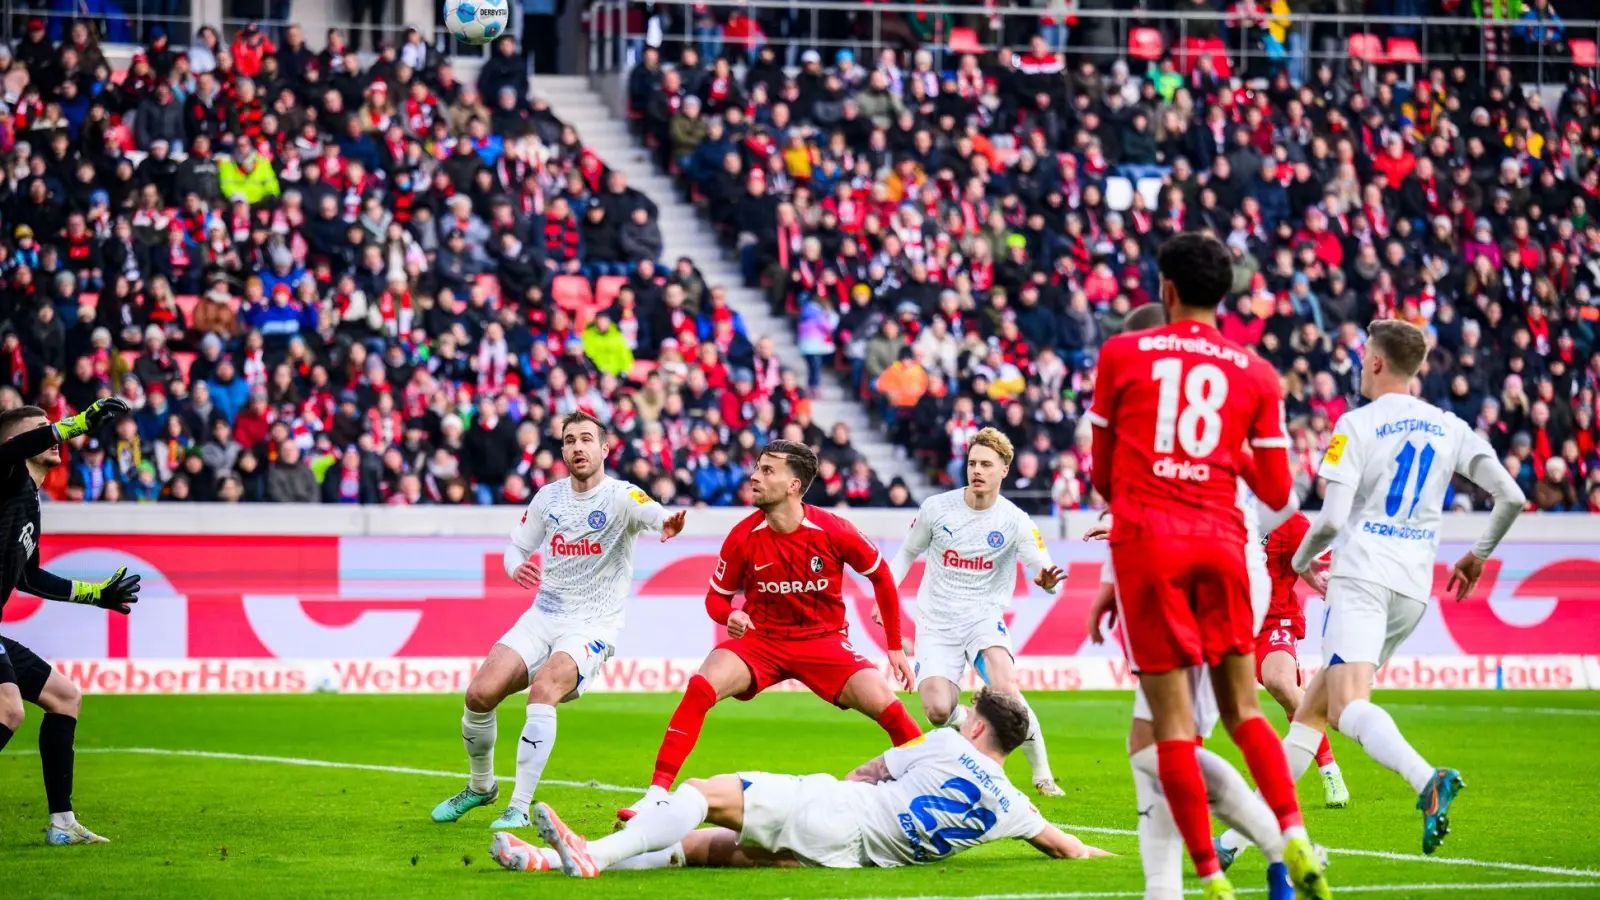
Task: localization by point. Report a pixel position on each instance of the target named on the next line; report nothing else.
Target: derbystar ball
(477, 21)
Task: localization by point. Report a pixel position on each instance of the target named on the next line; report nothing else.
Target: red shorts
(822, 664)
(1277, 636)
(1182, 602)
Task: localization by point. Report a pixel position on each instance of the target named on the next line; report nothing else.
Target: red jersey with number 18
(793, 583)
(1180, 403)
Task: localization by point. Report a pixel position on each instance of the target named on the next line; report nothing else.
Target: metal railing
(618, 31)
(125, 26)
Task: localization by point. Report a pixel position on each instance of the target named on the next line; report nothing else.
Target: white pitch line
(327, 764)
(1531, 710)
(1342, 889)
(617, 788)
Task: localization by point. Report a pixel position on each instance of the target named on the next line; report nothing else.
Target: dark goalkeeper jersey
(19, 521)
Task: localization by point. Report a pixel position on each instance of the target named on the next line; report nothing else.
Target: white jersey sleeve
(945, 797)
(645, 514)
(1030, 546)
(915, 545)
(528, 536)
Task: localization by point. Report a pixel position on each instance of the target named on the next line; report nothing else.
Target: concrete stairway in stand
(688, 234)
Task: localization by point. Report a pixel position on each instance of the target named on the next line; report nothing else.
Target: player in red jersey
(788, 559)
(1277, 658)
(1174, 408)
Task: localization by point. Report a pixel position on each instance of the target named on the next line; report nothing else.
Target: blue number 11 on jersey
(1402, 475)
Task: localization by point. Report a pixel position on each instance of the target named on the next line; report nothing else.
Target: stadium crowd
(318, 280)
(957, 242)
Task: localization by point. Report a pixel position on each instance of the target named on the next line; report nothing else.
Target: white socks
(957, 716)
(1370, 726)
(1033, 748)
(477, 733)
(1235, 803)
(656, 827)
(63, 819)
(533, 751)
(1300, 746)
(1160, 844)
(655, 859)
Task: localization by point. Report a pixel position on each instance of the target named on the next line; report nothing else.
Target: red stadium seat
(571, 292)
(1584, 53)
(90, 300)
(186, 305)
(1368, 48)
(1403, 51)
(1146, 44)
(606, 290)
(184, 361)
(964, 40)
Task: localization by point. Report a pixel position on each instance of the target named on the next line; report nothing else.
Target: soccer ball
(477, 21)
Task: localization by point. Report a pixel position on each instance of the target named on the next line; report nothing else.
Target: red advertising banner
(371, 598)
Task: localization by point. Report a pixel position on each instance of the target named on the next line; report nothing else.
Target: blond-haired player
(974, 538)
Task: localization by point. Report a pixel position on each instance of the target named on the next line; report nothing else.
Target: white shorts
(947, 653)
(1366, 621)
(1200, 697)
(813, 817)
(534, 637)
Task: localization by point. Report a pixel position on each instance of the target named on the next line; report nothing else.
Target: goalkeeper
(29, 448)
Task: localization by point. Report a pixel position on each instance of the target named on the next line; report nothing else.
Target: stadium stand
(318, 280)
(323, 280)
(956, 240)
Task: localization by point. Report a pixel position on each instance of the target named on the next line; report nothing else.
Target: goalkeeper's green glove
(115, 593)
(98, 414)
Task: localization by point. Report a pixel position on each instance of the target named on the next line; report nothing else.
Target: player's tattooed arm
(872, 771)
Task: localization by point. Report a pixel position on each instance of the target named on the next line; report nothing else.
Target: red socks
(1185, 790)
(1263, 754)
(683, 730)
(1324, 753)
(899, 724)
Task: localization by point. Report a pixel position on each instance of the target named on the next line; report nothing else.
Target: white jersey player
(921, 802)
(1387, 470)
(974, 538)
(584, 527)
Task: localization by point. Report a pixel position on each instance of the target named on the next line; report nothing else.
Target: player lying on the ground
(1182, 415)
(585, 527)
(1382, 574)
(922, 802)
(788, 559)
(31, 448)
(973, 538)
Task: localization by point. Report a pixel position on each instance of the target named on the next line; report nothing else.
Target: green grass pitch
(195, 826)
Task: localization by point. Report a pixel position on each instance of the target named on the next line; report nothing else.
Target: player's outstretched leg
(555, 681)
(723, 674)
(61, 703)
(997, 668)
(504, 672)
(1280, 675)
